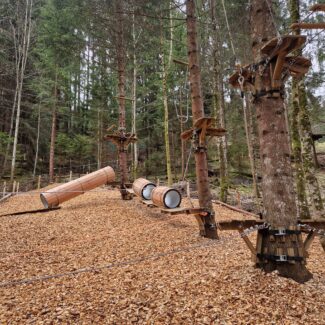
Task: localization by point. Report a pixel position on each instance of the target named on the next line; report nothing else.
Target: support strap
(280, 258)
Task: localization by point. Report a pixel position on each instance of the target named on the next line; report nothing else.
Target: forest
(217, 107)
(59, 91)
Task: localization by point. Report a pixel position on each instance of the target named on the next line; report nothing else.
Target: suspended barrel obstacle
(57, 195)
(143, 188)
(166, 197)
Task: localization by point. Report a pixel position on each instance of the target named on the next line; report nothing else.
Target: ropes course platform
(237, 224)
(183, 211)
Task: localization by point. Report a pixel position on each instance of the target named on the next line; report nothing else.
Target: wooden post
(280, 247)
(17, 188)
(13, 187)
(4, 192)
(70, 176)
(200, 149)
(39, 182)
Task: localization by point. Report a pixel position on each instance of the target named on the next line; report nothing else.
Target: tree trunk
(165, 102)
(134, 102)
(53, 129)
(37, 140)
(301, 162)
(307, 151)
(219, 106)
(181, 120)
(121, 96)
(277, 182)
(203, 187)
(24, 48)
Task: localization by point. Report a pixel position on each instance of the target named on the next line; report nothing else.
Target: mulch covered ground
(119, 262)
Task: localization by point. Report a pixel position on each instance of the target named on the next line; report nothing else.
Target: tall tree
(219, 103)
(200, 152)
(302, 136)
(277, 176)
(22, 36)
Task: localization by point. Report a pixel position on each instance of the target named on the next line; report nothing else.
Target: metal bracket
(282, 258)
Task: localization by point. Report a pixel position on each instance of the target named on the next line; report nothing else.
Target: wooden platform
(237, 224)
(288, 44)
(118, 139)
(204, 126)
(318, 7)
(307, 26)
(148, 203)
(183, 211)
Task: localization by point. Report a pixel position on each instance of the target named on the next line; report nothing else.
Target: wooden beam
(6, 197)
(318, 7)
(288, 44)
(276, 78)
(236, 209)
(180, 62)
(249, 244)
(308, 26)
(183, 211)
(236, 224)
(125, 98)
(309, 240)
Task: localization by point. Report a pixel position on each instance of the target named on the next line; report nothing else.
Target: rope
(136, 261)
(228, 27)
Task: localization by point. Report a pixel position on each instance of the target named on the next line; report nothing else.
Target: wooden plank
(216, 132)
(5, 197)
(186, 135)
(236, 209)
(309, 240)
(148, 203)
(318, 7)
(238, 224)
(289, 43)
(199, 124)
(248, 243)
(308, 26)
(183, 211)
(276, 77)
(297, 64)
(180, 62)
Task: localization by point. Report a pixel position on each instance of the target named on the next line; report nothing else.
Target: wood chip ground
(175, 285)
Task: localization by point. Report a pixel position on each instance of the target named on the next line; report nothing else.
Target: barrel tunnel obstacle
(57, 195)
(143, 188)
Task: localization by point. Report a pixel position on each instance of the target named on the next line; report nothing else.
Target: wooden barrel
(166, 197)
(143, 188)
(55, 196)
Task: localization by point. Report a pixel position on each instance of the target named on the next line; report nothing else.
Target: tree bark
(121, 95)
(23, 49)
(301, 136)
(53, 128)
(277, 181)
(134, 103)
(37, 140)
(219, 104)
(203, 187)
(165, 102)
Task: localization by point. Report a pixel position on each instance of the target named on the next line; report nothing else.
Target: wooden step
(288, 44)
(183, 211)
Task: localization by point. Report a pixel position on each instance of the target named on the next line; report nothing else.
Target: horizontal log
(237, 224)
(308, 26)
(318, 7)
